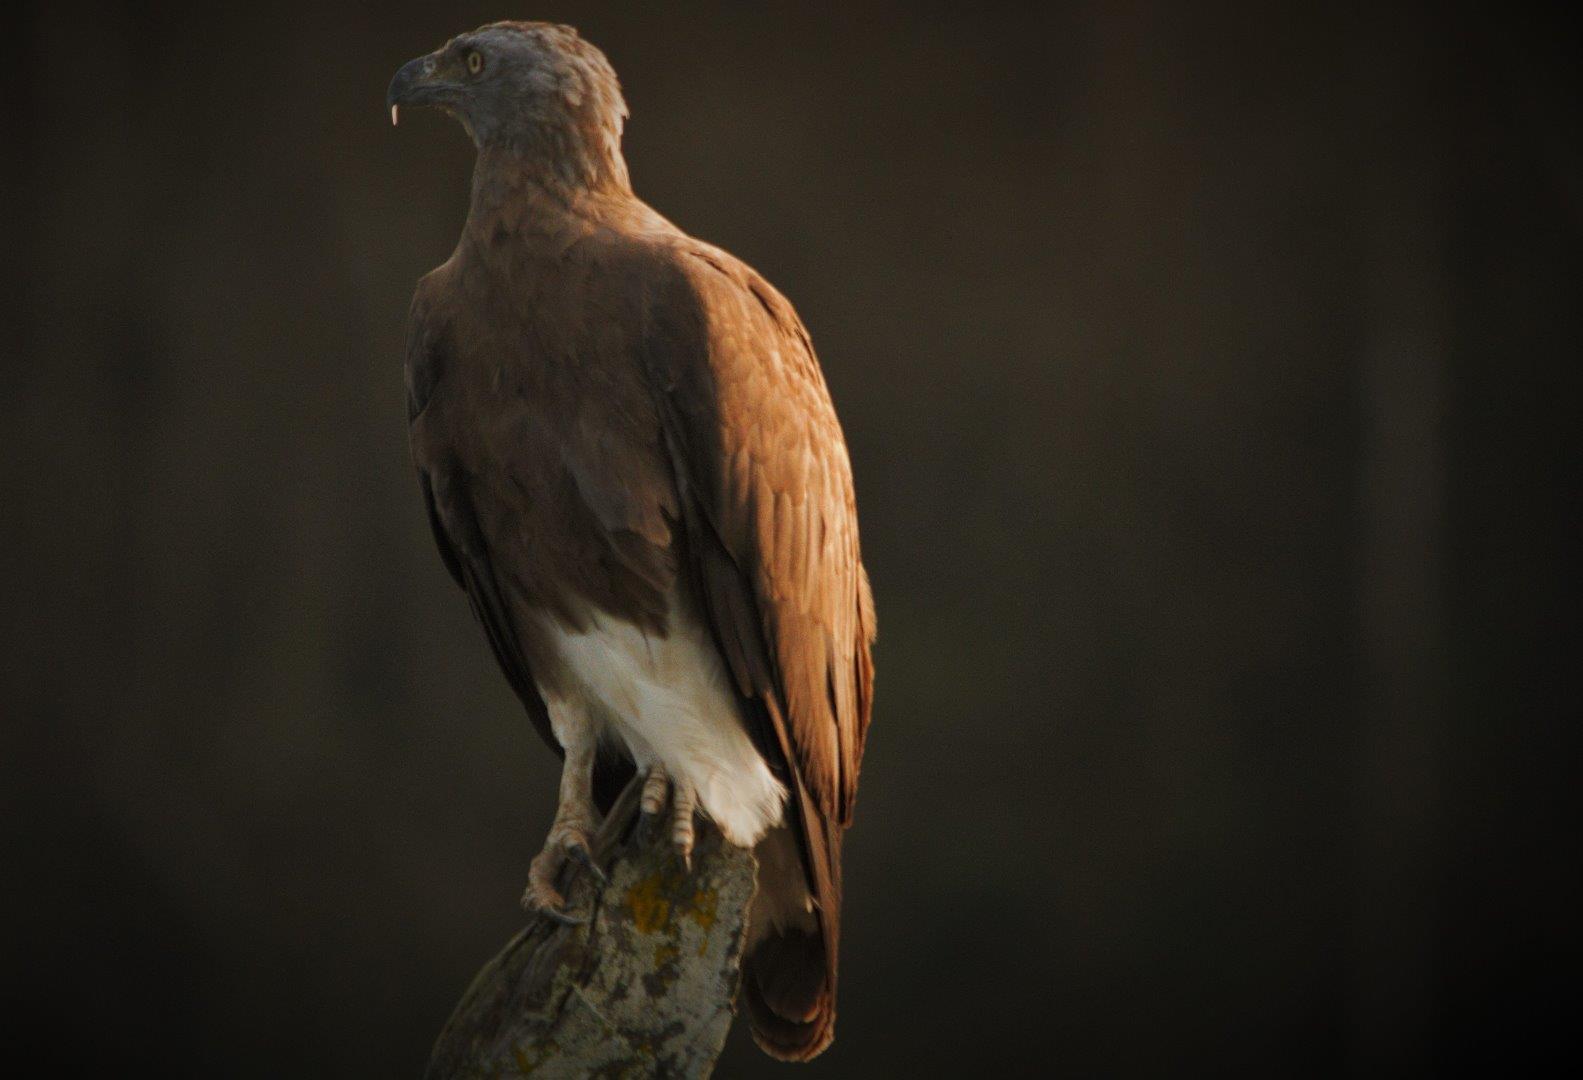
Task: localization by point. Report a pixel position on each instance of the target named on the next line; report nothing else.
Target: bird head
(537, 90)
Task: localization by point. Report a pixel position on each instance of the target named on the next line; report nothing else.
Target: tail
(789, 969)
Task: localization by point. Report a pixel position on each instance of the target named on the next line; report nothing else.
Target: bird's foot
(569, 841)
(657, 785)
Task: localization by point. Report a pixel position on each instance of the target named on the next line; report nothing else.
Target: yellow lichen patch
(706, 907)
(651, 910)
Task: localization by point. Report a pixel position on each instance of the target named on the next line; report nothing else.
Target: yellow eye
(475, 62)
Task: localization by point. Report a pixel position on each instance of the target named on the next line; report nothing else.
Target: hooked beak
(415, 84)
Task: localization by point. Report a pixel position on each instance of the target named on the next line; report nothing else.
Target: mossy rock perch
(644, 988)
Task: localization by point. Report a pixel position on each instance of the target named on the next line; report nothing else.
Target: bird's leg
(575, 819)
(684, 803)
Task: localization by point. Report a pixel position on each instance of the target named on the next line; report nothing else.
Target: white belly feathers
(670, 699)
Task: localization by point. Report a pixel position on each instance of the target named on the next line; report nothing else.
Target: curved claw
(565, 918)
(538, 901)
(579, 853)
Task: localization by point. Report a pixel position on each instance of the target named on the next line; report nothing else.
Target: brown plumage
(621, 430)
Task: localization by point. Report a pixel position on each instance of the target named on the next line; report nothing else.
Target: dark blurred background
(1210, 376)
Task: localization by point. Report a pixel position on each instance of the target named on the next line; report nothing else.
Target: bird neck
(545, 178)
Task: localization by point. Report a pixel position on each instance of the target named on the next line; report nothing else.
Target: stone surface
(644, 988)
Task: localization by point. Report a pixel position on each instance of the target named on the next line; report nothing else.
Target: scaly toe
(656, 786)
(541, 897)
(567, 842)
(682, 806)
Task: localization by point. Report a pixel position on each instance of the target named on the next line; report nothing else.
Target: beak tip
(394, 120)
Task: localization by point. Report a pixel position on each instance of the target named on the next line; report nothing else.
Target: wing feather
(767, 496)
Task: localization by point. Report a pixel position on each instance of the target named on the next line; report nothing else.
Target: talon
(567, 842)
(574, 820)
(561, 915)
(577, 848)
(565, 918)
(542, 899)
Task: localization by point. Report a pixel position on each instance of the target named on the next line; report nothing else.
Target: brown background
(1210, 376)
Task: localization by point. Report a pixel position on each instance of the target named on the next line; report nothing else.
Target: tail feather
(789, 996)
(789, 971)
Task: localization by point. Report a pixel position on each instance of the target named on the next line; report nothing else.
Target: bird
(632, 467)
